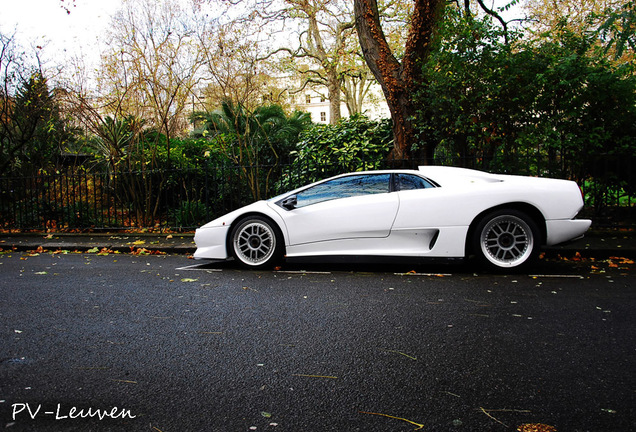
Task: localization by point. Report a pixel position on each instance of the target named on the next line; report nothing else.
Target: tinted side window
(344, 187)
(410, 182)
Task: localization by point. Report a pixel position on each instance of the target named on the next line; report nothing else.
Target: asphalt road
(153, 346)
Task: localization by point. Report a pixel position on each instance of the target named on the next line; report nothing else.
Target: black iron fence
(173, 199)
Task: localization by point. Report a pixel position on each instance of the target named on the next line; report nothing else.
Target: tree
(153, 65)
(144, 85)
(546, 15)
(253, 140)
(31, 131)
(356, 86)
(329, 25)
(119, 142)
(399, 79)
(475, 92)
(550, 107)
(232, 67)
(356, 79)
(10, 65)
(618, 30)
(322, 51)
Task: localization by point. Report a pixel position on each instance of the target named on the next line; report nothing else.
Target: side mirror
(290, 202)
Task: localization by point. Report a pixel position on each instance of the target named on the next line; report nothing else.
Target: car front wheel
(506, 239)
(255, 242)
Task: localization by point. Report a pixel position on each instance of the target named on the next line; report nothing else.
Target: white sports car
(431, 212)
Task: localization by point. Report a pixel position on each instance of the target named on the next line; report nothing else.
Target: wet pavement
(161, 343)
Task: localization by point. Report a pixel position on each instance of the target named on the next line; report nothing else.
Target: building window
(323, 116)
(307, 99)
(322, 98)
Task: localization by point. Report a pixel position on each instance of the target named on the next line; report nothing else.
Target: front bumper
(211, 242)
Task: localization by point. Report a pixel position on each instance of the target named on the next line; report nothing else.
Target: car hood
(228, 218)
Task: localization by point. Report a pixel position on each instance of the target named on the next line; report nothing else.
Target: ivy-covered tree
(399, 78)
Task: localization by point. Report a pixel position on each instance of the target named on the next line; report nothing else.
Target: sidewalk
(600, 243)
(120, 242)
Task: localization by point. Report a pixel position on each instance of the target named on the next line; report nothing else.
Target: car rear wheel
(255, 242)
(506, 239)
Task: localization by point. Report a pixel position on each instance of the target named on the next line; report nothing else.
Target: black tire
(506, 239)
(255, 242)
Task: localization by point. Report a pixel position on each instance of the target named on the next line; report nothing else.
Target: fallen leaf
(536, 427)
(189, 280)
(140, 251)
(401, 353)
(419, 426)
(315, 376)
(488, 411)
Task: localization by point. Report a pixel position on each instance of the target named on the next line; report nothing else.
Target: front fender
(211, 238)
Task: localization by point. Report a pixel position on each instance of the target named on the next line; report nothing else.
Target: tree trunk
(334, 97)
(398, 81)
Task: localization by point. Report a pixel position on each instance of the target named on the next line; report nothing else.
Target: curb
(596, 244)
(123, 243)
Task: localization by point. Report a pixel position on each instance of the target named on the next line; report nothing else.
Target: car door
(425, 205)
(350, 207)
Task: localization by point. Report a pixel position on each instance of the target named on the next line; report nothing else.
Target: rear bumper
(559, 231)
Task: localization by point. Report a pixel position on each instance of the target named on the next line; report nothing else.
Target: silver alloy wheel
(507, 241)
(254, 242)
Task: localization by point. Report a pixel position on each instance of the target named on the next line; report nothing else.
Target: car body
(435, 211)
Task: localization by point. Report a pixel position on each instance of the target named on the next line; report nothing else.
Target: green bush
(354, 144)
(189, 214)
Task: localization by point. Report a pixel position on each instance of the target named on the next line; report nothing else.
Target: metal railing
(173, 199)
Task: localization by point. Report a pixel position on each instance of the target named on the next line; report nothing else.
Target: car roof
(438, 175)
